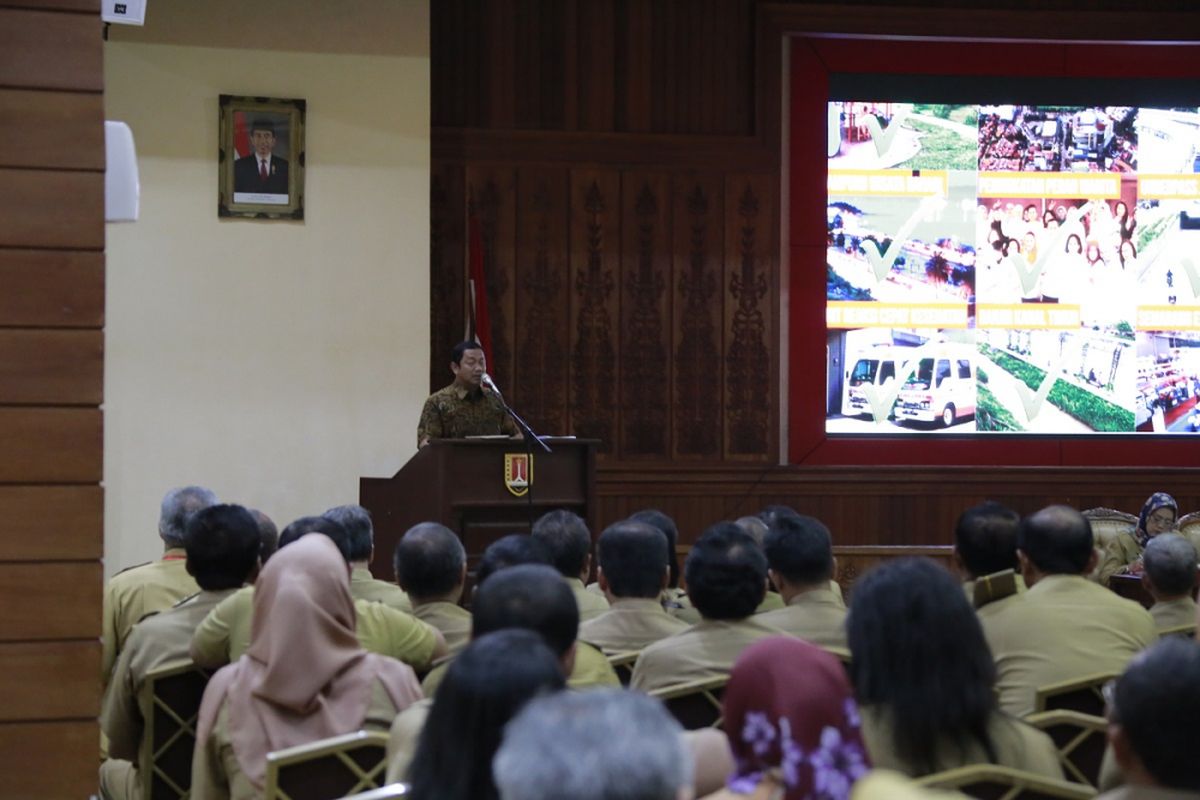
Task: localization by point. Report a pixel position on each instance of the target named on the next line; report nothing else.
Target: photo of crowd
(1057, 139)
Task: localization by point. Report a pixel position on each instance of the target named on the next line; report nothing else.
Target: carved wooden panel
(493, 190)
(448, 268)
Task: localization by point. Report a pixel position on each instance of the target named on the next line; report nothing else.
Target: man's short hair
(1157, 703)
(633, 556)
(456, 353)
(429, 560)
(770, 513)
(1170, 561)
(268, 535)
(753, 526)
(726, 573)
(800, 549)
(357, 522)
(1057, 540)
(530, 596)
(652, 516)
(508, 551)
(178, 505)
(263, 124)
(985, 537)
(334, 530)
(606, 744)
(566, 538)
(222, 546)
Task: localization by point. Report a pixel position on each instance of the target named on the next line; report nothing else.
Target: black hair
(222, 546)
(652, 516)
(262, 124)
(918, 653)
(429, 560)
(360, 533)
(566, 538)
(268, 535)
(800, 549)
(531, 596)
(771, 512)
(726, 573)
(334, 530)
(456, 353)
(508, 551)
(1057, 539)
(485, 687)
(633, 556)
(985, 537)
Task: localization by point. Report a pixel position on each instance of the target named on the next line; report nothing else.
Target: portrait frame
(260, 158)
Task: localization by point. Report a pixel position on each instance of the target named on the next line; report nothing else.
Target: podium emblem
(518, 473)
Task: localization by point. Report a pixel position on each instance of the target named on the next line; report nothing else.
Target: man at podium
(463, 408)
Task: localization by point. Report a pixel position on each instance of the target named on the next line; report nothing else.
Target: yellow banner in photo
(1059, 185)
(1027, 316)
(889, 182)
(1168, 187)
(849, 314)
(1168, 318)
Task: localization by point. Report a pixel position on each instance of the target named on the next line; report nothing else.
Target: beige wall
(275, 362)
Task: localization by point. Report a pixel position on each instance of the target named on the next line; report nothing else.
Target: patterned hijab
(790, 716)
(1154, 503)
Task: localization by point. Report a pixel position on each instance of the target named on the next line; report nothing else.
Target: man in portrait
(261, 172)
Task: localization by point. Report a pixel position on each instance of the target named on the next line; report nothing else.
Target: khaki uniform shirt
(772, 601)
(1063, 627)
(1174, 613)
(1017, 744)
(454, 412)
(630, 623)
(138, 591)
(1123, 551)
(591, 670)
(224, 635)
(705, 650)
(452, 620)
(590, 604)
(403, 738)
(365, 586)
(818, 616)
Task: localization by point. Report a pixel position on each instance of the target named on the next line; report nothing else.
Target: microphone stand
(530, 437)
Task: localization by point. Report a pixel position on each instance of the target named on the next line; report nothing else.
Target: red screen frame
(813, 59)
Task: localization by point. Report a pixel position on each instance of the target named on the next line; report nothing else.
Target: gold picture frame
(261, 158)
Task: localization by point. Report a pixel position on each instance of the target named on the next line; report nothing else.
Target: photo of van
(877, 366)
(940, 389)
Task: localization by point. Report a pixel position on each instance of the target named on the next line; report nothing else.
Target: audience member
(1170, 576)
(602, 745)
(569, 543)
(800, 556)
(1123, 555)
(484, 688)
(508, 551)
(222, 545)
(757, 529)
(633, 572)
(924, 677)
(985, 547)
(137, 591)
(792, 724)
(1064, 626)
(726, 579)
(657, 519)
(431, 566)
(361, 536)
(268, 535)
(304, 677)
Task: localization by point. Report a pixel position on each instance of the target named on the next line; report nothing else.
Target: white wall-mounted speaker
(124, 12)
(121, 187)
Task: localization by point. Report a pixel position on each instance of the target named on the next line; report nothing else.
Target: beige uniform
(225, 633)
(452, 620)
(138, 591)
(591, 670)
(705, 650)
(630, 624)
(365, 586)
(1123, 550)
(818, 616)
(1017, 744)
(403, 739)
(772, 601)
(1064, 627)
(1174, 613)
(154, 643)
(591, 605)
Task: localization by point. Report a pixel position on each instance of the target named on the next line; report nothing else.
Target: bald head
(1056, 541)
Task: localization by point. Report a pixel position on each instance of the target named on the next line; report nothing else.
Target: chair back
(996, 586)
(622, 664)
(1108, 524)
(334, 767)
(1189, 526)
(170, 701)
(1084, 695)
(695, 704)
(992, 782)
(382, 793)
(1080, 740)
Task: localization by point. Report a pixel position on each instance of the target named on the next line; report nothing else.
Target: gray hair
(1170, 561)
(754, 527)
(178, 506)
(357, 522)
(604, 744)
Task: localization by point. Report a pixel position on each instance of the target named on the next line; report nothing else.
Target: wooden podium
(461, 483)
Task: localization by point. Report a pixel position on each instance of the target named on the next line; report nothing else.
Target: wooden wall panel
(52, 288)
(76, 694)
(50, 445)
(494, 193)
(47, 759)
(42, 208)
(51, 366)
(447, 280)
(48, 523)
(47, 50)
(50, 600)
(51, 129)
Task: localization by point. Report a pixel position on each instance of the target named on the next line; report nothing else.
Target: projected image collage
(1007, 268)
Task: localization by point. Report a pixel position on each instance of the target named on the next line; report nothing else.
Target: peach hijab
(304, 677)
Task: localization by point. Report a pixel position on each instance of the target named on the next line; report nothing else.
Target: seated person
(769, 514)
(800, 556)
(567, 541)
(1065, 626)
(673, 598)
(484, 688)
(1123, 555)
(222, 545)
(431, 566)
(633, 573)
(304, 677)
(508, 551)
(1170, 576)
(726, 578)
(603, 745)
(906, 615)
(985, 548)
(360, 534)
(757, 529)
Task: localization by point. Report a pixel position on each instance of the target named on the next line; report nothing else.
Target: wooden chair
(1080, 740)
(170, 702)
(622, 664)
(991, 782)
(382, 793)
(334, 767)
(1189, 526)
(1181, 631)
(1084, 695)
(695, 704)
(1108, 523)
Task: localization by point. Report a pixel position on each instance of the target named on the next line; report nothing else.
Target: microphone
(490, 385)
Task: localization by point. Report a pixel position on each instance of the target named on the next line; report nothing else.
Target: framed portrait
(261, 158)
